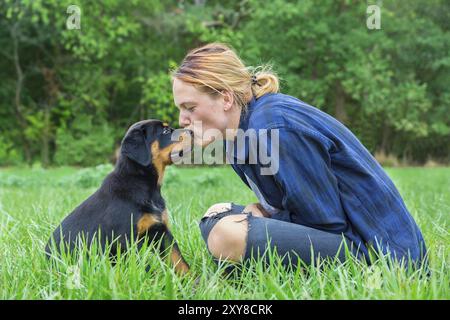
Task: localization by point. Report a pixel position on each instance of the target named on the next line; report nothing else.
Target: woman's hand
(257, 210)
(217, 208)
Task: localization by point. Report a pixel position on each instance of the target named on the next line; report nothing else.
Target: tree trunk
(340, 111)
(45, 153)
(385, 139)
(18, 112)
(52, 93)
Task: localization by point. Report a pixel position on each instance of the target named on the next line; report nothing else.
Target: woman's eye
(191, 109)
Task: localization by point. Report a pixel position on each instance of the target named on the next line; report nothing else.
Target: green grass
(34, 201)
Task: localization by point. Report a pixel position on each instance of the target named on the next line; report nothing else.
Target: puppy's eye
(166, 130)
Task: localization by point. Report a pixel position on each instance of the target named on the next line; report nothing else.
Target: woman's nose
(183, 120)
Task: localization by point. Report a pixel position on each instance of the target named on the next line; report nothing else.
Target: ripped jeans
(291, 241)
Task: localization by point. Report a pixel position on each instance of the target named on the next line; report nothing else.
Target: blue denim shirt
(326, 179)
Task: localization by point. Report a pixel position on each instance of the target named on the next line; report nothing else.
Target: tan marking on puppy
(161, 158)
(165, 218)
(146, 222)
(181, 267)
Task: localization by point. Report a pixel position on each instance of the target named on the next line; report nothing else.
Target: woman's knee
(227, 239)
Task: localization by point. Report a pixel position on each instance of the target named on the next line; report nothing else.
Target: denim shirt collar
(245, 114)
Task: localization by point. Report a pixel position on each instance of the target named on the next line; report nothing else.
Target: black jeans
(291, 241)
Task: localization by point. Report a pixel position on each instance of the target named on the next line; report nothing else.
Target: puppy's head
(154, 143)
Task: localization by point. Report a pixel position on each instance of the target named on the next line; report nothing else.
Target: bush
(8, 154)
(386, 160)
(13, 181)
(37, 178)
(88, 177)
(84, 144)
(84, 178)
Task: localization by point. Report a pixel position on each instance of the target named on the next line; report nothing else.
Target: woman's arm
(257, 210)
(305, 175)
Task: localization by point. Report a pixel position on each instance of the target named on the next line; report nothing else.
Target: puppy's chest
(149, 220)
(153, 214)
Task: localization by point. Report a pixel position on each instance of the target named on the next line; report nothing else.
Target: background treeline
(68, 96)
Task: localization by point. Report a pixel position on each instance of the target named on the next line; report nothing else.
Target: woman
(326, 187)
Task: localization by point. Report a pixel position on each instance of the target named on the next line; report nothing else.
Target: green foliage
(9, 155)
(87, 177)
(389, 86)
(371, 80)
(86, 143)
(157, 97)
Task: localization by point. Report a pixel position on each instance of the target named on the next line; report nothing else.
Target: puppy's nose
(188, 132)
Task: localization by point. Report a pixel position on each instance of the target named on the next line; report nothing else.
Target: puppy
(129, 204)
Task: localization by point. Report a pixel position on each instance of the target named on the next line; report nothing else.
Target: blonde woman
(326, 189)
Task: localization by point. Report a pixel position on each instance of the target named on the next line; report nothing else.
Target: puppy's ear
(135, 147)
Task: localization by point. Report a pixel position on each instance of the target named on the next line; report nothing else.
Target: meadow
(33, 201)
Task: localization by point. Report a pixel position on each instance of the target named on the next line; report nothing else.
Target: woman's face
(207, 116)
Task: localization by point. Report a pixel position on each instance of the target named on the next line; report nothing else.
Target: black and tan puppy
(129, 202)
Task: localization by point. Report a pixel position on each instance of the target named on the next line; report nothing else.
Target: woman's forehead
(185, 93)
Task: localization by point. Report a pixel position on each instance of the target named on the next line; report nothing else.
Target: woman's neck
(233, 124)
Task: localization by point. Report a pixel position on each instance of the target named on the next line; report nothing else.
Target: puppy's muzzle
(184, 145)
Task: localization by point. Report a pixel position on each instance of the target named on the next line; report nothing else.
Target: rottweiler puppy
(129, 204)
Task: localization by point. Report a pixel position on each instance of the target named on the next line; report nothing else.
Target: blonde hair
(216, 67)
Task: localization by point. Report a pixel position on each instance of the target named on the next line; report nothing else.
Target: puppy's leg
(153, 229)
(177, 260)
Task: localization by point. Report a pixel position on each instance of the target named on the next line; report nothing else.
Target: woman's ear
(228, 100)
